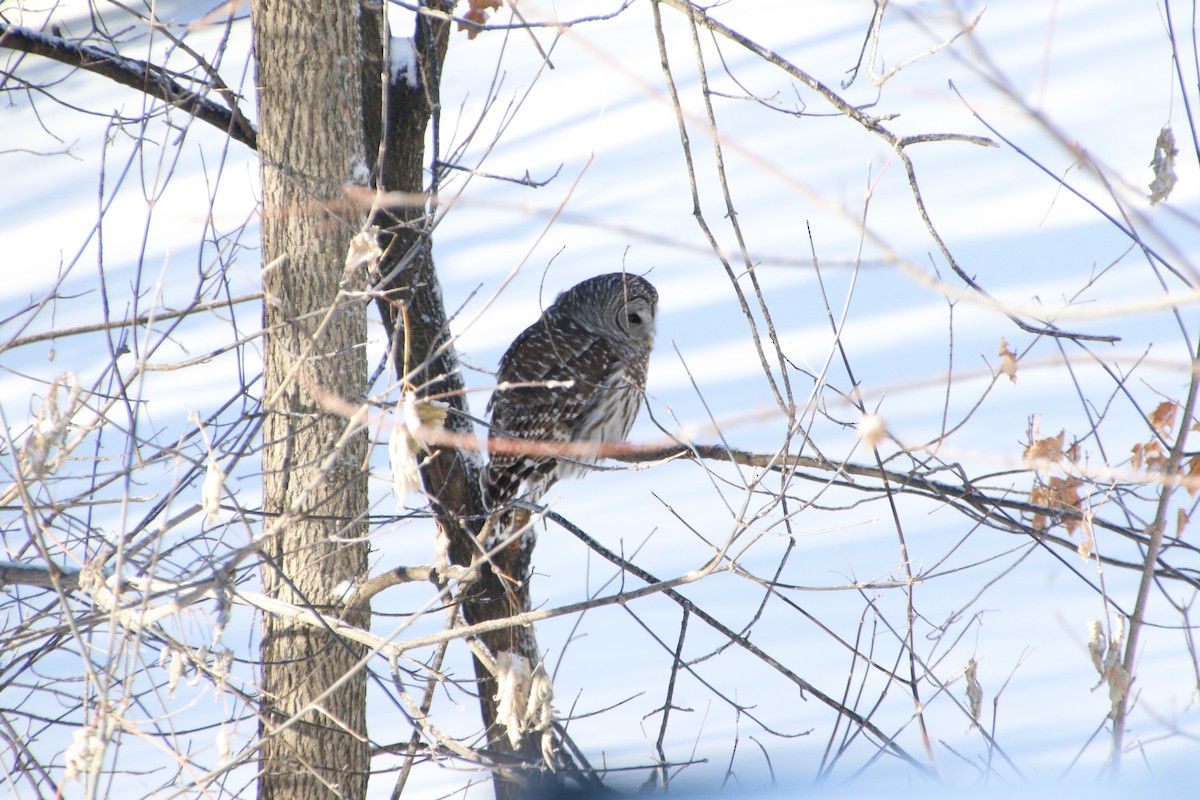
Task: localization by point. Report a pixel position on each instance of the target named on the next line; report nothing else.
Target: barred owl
(578, 375)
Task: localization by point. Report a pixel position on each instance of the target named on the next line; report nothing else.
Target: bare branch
(154, 80)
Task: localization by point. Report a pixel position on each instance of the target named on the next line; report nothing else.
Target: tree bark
(311, 143)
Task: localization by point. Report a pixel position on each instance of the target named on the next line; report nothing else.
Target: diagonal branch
(699, 16)
(152, 79)
(666, 587)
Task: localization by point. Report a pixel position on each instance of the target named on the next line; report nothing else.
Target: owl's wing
(544, 352)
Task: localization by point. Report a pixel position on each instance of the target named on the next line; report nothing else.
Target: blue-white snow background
(1102, 75)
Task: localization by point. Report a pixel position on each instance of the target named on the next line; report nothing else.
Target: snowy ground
(602, 122)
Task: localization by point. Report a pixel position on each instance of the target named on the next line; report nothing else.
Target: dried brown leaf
(1193, 474)
(974, 690)
(1097, 644)
(1059, 494)
(1163, 164)
(1048, 449)
(1008, 360)
(478, 13)
(1066, 495)
(1163, 417)
(1040, 496)
(1087, 542)
(1149, 455)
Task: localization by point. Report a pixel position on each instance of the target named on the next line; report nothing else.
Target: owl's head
(617, 306)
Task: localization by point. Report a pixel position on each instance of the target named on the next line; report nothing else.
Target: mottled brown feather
(580, 338)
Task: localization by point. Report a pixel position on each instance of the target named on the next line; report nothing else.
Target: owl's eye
(635, 318)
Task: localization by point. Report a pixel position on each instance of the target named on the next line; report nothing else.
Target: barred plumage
(597, 335)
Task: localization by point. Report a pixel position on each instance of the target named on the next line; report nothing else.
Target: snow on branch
(152, 79)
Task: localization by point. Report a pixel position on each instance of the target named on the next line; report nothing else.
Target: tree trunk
(311, 143)
(451, 481)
